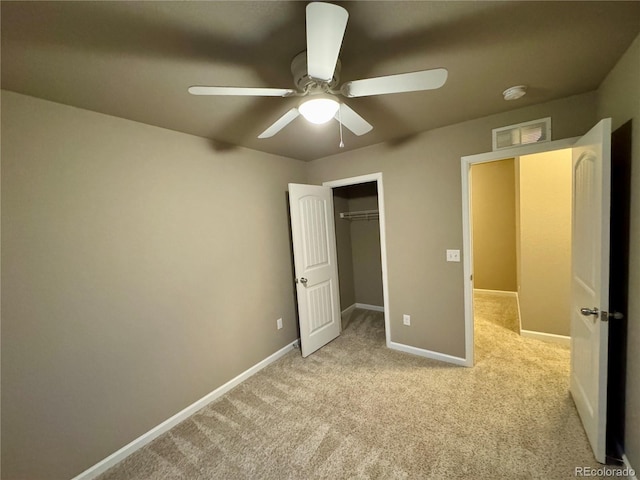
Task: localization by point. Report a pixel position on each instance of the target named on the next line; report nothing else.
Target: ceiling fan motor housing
(303, 81)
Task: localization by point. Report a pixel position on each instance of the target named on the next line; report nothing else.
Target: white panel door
(316, 266)
(590, 281)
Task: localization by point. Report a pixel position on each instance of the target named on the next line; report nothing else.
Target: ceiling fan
(316, 74)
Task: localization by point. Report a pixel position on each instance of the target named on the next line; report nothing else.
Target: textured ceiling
(136, 60)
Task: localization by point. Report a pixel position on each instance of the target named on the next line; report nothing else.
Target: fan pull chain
(341, 144)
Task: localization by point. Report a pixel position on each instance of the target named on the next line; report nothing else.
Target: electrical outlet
(406, 319)
(453, 255)
(279, 323)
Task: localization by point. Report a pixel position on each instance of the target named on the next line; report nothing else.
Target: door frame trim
(467, 251)
(374, 177)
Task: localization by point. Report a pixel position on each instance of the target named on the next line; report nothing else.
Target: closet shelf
(360, 215)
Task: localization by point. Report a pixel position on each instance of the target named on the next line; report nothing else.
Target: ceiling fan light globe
(319, 110)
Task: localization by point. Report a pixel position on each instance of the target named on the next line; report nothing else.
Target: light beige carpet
(356, 409)
(501, 310)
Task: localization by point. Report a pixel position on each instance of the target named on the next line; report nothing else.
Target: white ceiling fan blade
(279, 124)
(352, 121)
(242, 91)
(326, 24)
(402, 82)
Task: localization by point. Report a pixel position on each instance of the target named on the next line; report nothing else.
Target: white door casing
(590, 281)
(467, 247)
(377, 178)
(316, 266)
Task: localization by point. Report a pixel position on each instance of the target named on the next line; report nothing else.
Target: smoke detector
(514, 93)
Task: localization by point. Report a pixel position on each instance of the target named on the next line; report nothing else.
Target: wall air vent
(535, 131)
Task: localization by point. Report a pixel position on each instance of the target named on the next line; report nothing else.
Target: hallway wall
(493, 200)
(544, 254)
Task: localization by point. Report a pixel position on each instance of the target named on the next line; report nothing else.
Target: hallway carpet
(499, 309)
(356, 409)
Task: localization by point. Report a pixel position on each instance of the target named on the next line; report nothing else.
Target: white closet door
(316, 268)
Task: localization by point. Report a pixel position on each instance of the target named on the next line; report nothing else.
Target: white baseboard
(497, 293)
(182, 415)
(519, 312)
(349, 309)
(631, 469)
(366, 306)
(443, 357)
(547, 337)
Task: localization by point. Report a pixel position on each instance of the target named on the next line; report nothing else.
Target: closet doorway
(361, 244)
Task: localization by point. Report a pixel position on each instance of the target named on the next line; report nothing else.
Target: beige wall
(343, 244)
(365, 243)
(422, 186)
(516, 165)
(493, 200)
(545, 242)
(619, 98)
(141, 269)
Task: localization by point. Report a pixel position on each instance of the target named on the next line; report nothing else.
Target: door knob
(589, 311)
(303, 281)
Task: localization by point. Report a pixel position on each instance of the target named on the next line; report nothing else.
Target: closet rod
(360, 215)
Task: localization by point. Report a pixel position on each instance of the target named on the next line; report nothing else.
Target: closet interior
(358, 246)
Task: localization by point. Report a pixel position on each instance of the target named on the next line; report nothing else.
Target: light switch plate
(453, 255)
